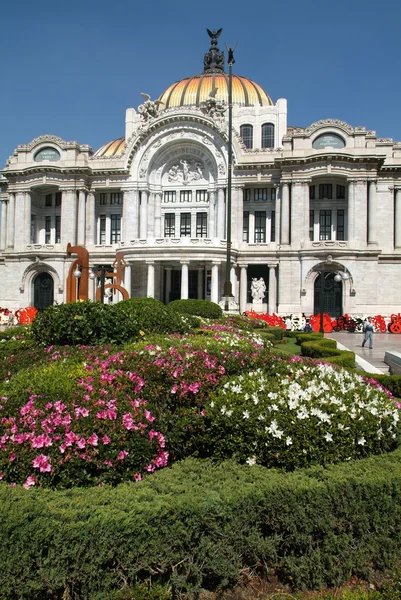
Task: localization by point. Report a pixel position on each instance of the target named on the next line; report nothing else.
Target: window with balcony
(201, 225)
(115, 229)
(325, 225)
(102, 229)
(169, 225)
(245, 227)
(260, 226)
(340, 225)
(311, 224)
(185, 225)
(273, 227)
(48, 229)
(58, 229)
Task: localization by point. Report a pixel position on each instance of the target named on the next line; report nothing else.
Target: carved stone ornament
(326, 123)
(149, 109)
(213, 107)
(186, 171)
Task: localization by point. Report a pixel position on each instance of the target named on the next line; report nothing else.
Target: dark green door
(43, 291)
(332, 295)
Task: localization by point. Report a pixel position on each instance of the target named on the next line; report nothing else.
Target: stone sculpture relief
(186, 171)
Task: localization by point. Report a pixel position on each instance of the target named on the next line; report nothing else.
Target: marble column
(233, 280)
(214, 295)
(69, 217)
(3, 232)
(351, 211)
(285, 214)
(184, 281)
(372, 213)
(277, 209)
(158, 215)
(243, 288)
(90, 221)
(221, 209)
(127, 278)
(150, 216)
(130, 215)
(143, 215)
(272, 289)
(81, 218)
(19, 220)
(397, 210)
(10, 220)
(238, 204)
(251, 231)
(151, 280)
(27, 218)
(212, 214)
(201, 272)
(168, 284)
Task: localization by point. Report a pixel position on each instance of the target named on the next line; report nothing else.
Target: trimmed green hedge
(320, 349)
(198, 308)
(197, 526)
(307, 337)
(346, 359)
(390, 382)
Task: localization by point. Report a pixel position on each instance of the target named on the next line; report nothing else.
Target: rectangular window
(116, 198)
(325, 225)
(115, 231)
(247, 195)
(102, 229)
(245, 227)
(260, 194)
(169, 196)
(340, 225)
(201, 196)
(260, 226)
(325, 191)
(169, 225)
(273, 227)
(58, 199)
(48, 229)
(185, 225)
(58, 229)
(341, 192)
(103, 199)
(311, 192)
(201, 224)
(311, 224)
(185, 196)
(33, 229)
(48, 200)
(273, 193)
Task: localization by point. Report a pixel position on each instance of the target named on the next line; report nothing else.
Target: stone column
(150, 216)
(214, 295)
(81, 218)
(233, 280)
(19, 220)
(27, 218)
(372, 213)
(238, 204)
(212, 214)
(90, 219)
(397, 209)
(3, 232)
(127, 278)
(143, 215)
(130, 213)
(151, 280)
(168, 284)
(69, 217)
(243, 289)
(351, 211)
(361, 212)
(251, 232)
(285, 214)
(184, 281)
(277, 209)
(221, 214)
(272, 289)
(158, 215)
(200, 283)
(10, 220)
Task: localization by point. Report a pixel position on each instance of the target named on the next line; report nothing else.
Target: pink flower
(93, 440)
(106, 440)
(81, 443)
(102, 414)
(1, 476)
(41, 441)
(30, 481)
(148, 416)
(81, 411)
(108, 462)
(122, 455)
(42, 462)
(137, 477)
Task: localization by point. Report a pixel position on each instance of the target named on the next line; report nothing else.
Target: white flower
(212, 404)
(361, 441)
(328, 437)
(251, 461)
(223, 409)
(288, 441)
(229, 413)
(246, 414)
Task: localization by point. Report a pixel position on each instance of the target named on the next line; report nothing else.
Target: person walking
(368, 330)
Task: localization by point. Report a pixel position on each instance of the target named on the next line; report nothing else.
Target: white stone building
(304, 201)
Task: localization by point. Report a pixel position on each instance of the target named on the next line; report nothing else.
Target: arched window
(268, 135)
(246, 132)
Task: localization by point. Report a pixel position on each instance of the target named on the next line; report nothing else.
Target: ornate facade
(305, 204)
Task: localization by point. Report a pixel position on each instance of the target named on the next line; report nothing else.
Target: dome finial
(214, 59)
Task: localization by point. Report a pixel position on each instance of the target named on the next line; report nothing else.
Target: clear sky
(72, 68)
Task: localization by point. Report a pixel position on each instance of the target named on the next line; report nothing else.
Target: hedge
(197, 526)
(391, 382)
(320, 349)
(345, 359)
(198, 308)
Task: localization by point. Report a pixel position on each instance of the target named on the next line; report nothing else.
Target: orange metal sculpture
(119, 265)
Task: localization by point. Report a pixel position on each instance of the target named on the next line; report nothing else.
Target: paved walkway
(368, 358)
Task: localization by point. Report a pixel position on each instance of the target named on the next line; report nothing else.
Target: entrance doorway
(43, 291)
(332, 294)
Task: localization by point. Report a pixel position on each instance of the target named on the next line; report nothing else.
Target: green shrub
(308, 337)
(83, 323)
(198, 526)
(278, 332)
(154, 317)
(17, 332)
(390, 382)
(320, 349)
(307, 414)
(345, 359)
(198, 308)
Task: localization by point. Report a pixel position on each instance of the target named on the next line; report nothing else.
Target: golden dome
(194, 90)
(111, 149)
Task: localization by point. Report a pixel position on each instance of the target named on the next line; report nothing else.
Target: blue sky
(71, 69)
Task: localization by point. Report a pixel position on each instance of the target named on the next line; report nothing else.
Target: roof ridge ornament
(213, 61)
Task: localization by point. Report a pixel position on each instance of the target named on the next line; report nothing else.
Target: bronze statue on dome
(213, 61)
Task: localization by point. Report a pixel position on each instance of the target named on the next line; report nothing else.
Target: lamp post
(94, 272)
(339, 276)
(227, 285)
